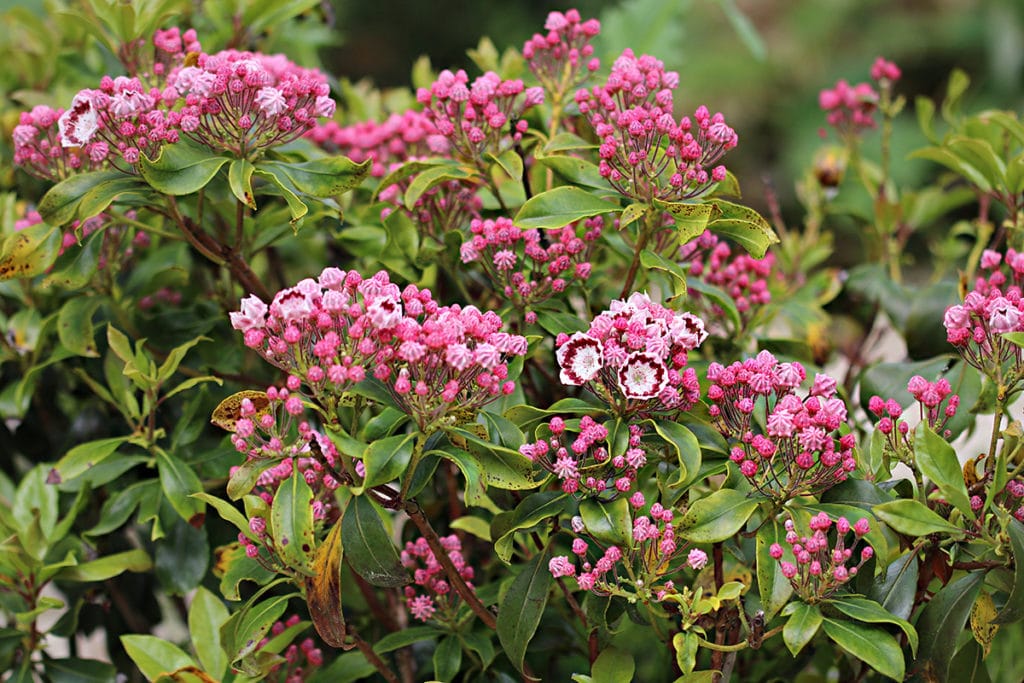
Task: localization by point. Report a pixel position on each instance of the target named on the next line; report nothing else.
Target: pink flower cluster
(559, 57)
(990, 310)
(244, 102)
(742, 277)
(521, 267)
(798, 452)
(435, 596)
(645, 152)
(930, 397)
(1010, 498)
(653, 555)
(475, 119)
(821, 567)
(399, 138)
(633, 356)
(38, 148)
(333, 332)
(299, 660)
(850, 109)
(581, 457)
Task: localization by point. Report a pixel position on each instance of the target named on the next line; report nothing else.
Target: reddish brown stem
(379, 664)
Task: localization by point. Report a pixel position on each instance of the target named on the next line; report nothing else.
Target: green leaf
(774, 588)
(74, 325)
(574, 170)
(368, 548)
(447, 658)
(75, 670)
(179, 481)
(873, 646)
(35, 508)
(137, 560)
(804, 622)
(1013, 610)
(560, 207)
(871, 612)
(969, 665)
(937, 461)
(182, 556)
(522, 607)
(29, 252)
(744, 226)
(296, 207)
(686, 449)
(555, 322)
(387, 459)
(432, 177)
(613, 666)
(718, 297)
(608, 522)
(242, 632)
(691, 219)
(925, 110)
(82, 458)
(896, 589)
(240, 180)
(291, 518)
(503, 467)
(686, 644)
(941, 622)
(472, 471)
(155, 656)
(677, 276)
(181, 168)
(227, 511)
(233, 567)
(510, 162)
(716, 517)
(84, 195)
(206, 615)
(531, 511)
(322, 178)
(76, 266)
(405, 637)
(913, 518)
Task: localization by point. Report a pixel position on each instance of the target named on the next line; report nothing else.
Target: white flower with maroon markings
(580, 359)
(643, 376)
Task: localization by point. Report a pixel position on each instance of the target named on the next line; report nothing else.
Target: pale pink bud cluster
(399, 138)
(990, 310)
(244, 102)
(474, 119)
(633, 356)
(645, 152)
(334, 332)
(821, 566)
(520, 265)
(434, 598)
(300, 660)
(1012, 498)
(562, 58)
(582, 457)
(930, 397)
(798, 452)
(445, 208)
(849, 109)
(742, 277)
(38, 148)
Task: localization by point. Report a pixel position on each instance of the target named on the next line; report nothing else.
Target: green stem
(647, 229)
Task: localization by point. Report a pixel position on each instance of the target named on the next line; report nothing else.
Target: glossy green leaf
(242, 632)
(368, 547)
(968, 666)
(76, 670)
(561, 206)
(291, 518)
(405, 637)
(691, 219)
(181, 168)
(179, 481)
(896, 588)
(387, 459)
(431, 178)
(574, 170)
(938, 461)
(522, 607)
(137, 560)
(29, 252)
(869, 611)
(283, 185)
(35, 504)
(774, 588)
(744, 226)
(531, 511)
(684, 445)
(608, 522)
(941, 622)
(1013, 610)
(716, 517)
(913, 518)
(155, 656)
(510, 162)
(233, 567)
(240, 181)
(83, 457)
(502, 467)
(873, 646)
(77, 265)
(613, 666)
(555, 322)
(804, 622)
(686, 644)
(677, 276)
(74, 325)
(206, 615)
(327, 177)
(475, 490)
(182, 556)
(447, 658)
(719, 298)
(62, 203)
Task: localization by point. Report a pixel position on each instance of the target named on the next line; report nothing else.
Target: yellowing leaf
(323, 591)
(982, 614)
(229, 411)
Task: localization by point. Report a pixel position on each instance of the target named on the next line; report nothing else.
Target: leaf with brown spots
(188, 674)
(323, 591)
(229, 411)
(29, 252)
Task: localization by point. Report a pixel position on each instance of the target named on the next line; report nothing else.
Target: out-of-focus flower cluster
(637, 571)
(580, 456)
(821, 566)
(399, 138)
(850, 109)
(930, 397)
(433, 597)
(798, 452)
(473, 120)
(333, 332)
(645, 152)
(990, 310)
(519, 264)
(741, 276)
(300, 660)
(563, 57)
